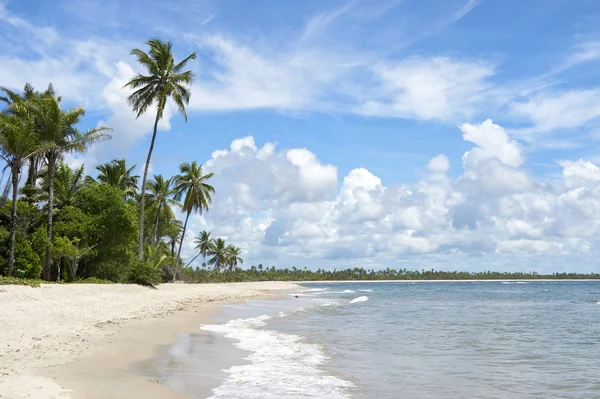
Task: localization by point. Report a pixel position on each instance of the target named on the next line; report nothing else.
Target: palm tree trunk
(182, 237)
(48, 263)
(143, 193)
(13, 220)
(156, 223)
(190, 262)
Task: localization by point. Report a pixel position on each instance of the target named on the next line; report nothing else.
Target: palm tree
(191, 185)
(57, 133)
(155, 254)
(165, 79)
(174, 234)
(218, 254)
(233, 256)
(67, 182)
(203, 243)
(161, 191)
(29, 93)
(17, 144)
(116, 173)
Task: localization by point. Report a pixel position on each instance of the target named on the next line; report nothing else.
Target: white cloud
(494, 211)
(559, 110)
(438, 88)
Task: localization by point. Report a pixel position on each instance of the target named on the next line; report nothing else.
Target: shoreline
(82, 341)
(548, 280)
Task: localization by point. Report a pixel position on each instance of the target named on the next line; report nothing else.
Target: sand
(80, 341)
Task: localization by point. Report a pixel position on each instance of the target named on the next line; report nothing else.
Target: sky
(455, 134)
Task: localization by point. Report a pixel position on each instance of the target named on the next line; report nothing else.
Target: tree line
(265, 273)
(61, 224)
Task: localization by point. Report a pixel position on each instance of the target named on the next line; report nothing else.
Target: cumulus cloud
(285, 207)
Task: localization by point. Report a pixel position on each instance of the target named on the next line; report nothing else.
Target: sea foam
(281, 365)
(360, 299)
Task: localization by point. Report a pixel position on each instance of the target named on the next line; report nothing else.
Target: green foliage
(116, 173)
(91, 280)
(111, 229)
(262, 273)
(26, 258)
(21, 281)
(143, 273)
(39, 241)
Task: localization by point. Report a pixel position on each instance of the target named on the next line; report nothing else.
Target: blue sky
(378, 109)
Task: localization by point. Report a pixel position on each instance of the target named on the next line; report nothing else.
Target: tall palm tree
(17, 144)
(165, 79)
(116, 173)
(233, 256)
(192, 185)
(57, 132)
(203, 244)
(161, 193)
(218, 254)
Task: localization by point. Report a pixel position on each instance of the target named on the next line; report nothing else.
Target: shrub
(143, 273)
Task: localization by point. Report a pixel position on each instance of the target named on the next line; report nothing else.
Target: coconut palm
(29, 93)
(174, 234)
(17, 144)
(203, 243)
(156, 254)
(57, 132)
(161, 192)
(233, 256)
(116, 173)
(192, 186)
(67, 182)
(165, 79)
(218, 254)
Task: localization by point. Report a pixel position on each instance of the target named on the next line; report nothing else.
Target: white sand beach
(77, 341)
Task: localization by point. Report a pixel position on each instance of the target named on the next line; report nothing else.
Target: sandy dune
(55, 325)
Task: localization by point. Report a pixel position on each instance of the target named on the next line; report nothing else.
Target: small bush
(144, 274)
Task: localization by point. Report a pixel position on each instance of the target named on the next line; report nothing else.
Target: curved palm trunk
(143, 193)
(182, 237)
(48, 263)
(13, 220)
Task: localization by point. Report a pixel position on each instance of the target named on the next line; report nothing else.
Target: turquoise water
(419, 340)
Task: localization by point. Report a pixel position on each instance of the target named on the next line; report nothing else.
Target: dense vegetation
(60, 224)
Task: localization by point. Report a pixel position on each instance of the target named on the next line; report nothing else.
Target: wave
(280, 364)
(366, 290)
(360, 299)
(515, 282)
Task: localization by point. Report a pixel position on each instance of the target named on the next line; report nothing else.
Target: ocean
(400, 340)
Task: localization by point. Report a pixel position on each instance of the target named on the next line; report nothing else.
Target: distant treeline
(262, 273)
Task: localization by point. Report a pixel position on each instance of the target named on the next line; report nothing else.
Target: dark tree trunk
(156, 223)
(187, 216)
(13, 219)
(48, 262)
(143, 190)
